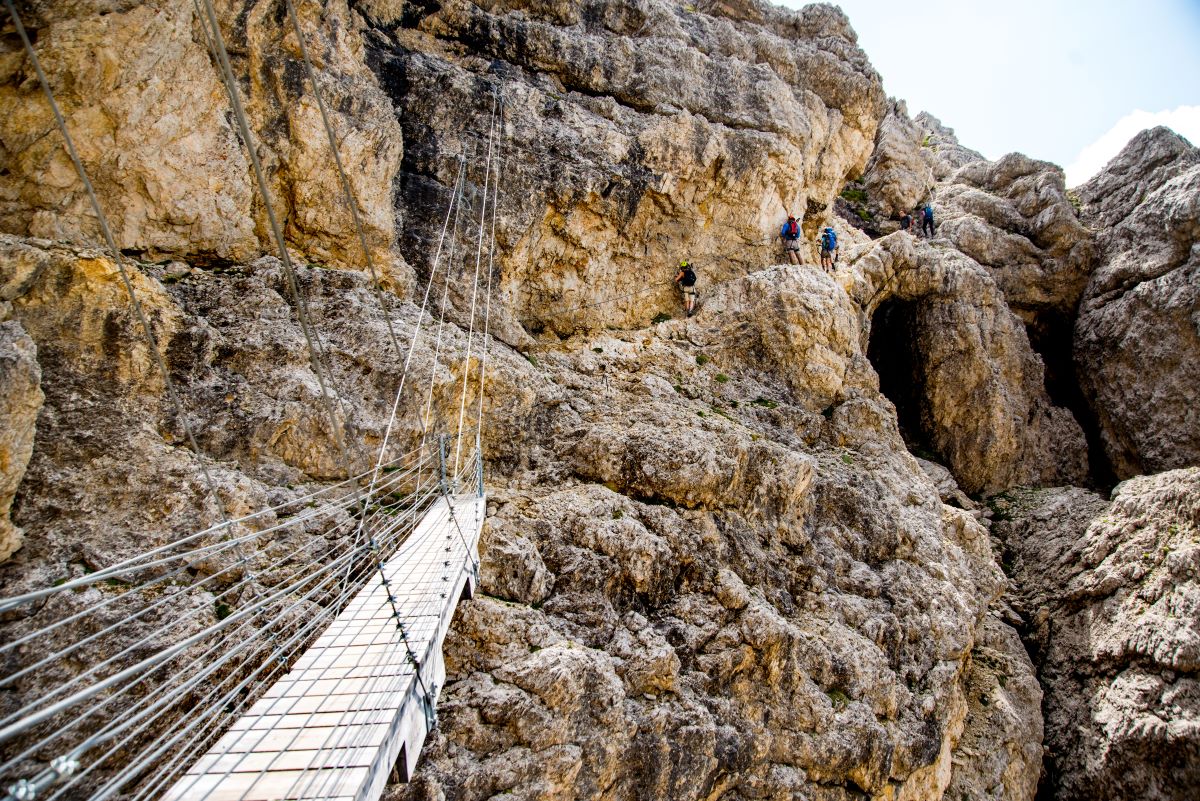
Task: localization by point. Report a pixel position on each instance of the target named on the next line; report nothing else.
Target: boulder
(1137, 344)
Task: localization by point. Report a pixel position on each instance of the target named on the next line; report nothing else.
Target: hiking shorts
(826, 252)
(688, 291)
(791, 244)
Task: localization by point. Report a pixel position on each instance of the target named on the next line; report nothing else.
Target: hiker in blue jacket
(829, 248)
(790, 234)
(927, 220)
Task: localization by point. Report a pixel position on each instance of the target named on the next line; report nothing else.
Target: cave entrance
(1051, 336)
(893, 352)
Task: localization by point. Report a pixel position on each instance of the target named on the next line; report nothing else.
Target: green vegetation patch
(838, 698)
(854, 194)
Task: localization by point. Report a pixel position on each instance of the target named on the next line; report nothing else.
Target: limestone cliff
(1136, 337)
(1110, 591)
(712, 567)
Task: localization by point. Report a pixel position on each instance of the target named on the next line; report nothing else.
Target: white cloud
(1184, 121)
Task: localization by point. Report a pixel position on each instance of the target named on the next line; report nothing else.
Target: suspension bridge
(294, 652)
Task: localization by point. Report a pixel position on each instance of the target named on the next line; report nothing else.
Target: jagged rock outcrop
(1136, 342)
(702, 546)
(899, 174)
(1014, 217)
(948, 153)
(675, 581)
(20, 401)
(1149, 160)
(1110, 593)
(145, 108)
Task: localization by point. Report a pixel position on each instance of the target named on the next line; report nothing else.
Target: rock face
(948, 153)
(1013, 216)
(1004, 709)
(146, 107)
(174, 176)
(636, 134)
(696, 560)
(958, 365)
(1137, 341)
(712, 568)
(672, 584)
(20, 401)
(900, 172)
(1110, 593)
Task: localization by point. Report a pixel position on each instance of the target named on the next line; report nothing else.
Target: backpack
(689, 277)
(928, 212)
(790, 230)
(829, 240)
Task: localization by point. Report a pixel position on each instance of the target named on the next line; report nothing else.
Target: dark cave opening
(893, 353)
(1051, 335)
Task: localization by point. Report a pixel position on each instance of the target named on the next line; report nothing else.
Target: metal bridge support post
(442, 438)
(478, 465)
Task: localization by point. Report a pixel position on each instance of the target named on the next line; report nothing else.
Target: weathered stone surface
(511, 566)
(712, 568)
(145, 109)
(728, 602)
(957, 364)
(637, 134)
(1137, 337)
(1149, 160)
(1110, 594)
(305, 183)
(1014, 217)
(948, 154)
(148, 114)
(899, 174)
(20, 401)
(1000, 753)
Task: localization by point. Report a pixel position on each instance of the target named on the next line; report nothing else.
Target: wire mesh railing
(116, 681)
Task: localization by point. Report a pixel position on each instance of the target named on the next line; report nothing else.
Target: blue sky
(1060, 80)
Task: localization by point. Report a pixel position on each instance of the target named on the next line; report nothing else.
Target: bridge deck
(354, 707)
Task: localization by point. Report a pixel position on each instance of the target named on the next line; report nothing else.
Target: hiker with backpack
(687, 282)
(790, 234)
(829, 248)
(927, 220)
(906, 222)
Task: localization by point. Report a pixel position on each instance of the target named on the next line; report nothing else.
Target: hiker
(829, 248)
(906, 222)
(687, 282)
(790, 234)
(927, 220)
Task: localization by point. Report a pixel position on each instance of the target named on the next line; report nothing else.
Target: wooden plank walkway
(353, 708)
